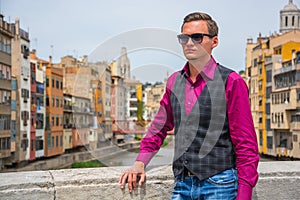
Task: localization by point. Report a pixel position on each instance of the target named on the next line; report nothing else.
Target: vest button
(186, 162)
(186, 149)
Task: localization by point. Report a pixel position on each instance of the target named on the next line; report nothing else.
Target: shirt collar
(208, 70)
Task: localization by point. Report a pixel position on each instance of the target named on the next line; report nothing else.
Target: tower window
(286, 21)
(293, 20)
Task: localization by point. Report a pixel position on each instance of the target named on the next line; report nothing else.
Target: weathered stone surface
(278, 180)
(26, 185)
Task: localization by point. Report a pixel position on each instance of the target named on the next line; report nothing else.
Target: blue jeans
(220, 186)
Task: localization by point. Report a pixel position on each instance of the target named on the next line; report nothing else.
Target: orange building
(54, 111)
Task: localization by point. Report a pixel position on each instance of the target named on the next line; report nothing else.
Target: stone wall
(278, 180)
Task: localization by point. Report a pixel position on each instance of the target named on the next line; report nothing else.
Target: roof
(290, 7)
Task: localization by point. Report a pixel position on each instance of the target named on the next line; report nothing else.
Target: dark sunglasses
(196, 38)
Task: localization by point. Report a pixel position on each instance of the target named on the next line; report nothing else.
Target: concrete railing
(278, 180)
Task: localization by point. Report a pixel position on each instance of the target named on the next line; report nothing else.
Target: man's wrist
(139, 164)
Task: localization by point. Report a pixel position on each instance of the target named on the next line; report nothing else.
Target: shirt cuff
(145, 157)
(244, 192)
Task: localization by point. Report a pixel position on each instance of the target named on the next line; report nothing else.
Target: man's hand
(131, 175)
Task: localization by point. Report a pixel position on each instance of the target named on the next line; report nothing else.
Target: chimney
(50, 60)
(33, 52)
(17, 22)
(249, 40)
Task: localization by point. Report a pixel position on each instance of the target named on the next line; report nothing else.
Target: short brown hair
(211, 24)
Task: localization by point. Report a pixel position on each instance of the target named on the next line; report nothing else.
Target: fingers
(129, 182)
(142, 179)
(122, 179)
(132, 178)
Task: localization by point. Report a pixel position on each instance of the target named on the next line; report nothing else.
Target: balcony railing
(284, 69)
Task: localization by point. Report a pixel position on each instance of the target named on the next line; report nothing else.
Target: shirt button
(189, 103)
(186, 149)
(192, 87)
(186, 162)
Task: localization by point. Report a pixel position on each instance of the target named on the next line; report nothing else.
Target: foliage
(88, 164)
(166, 142)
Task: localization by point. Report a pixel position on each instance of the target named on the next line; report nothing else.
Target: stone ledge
(278, 180)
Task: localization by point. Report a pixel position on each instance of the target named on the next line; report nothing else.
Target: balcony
(5, 153)
(5, 84)
(284, 70)
(68, 108)
(5, 108)
(68, 126)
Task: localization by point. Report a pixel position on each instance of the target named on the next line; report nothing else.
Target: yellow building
(271, 70)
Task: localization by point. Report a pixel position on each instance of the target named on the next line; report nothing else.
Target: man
(216, 154)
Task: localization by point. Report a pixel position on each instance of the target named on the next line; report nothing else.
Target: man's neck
(196, 66)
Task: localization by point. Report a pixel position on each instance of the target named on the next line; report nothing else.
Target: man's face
(198, 51)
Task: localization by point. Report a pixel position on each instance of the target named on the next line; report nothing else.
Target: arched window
(286, 20)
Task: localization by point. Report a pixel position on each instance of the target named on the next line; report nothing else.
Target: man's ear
(215, 41)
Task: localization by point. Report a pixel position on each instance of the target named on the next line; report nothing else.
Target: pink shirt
(240, 121)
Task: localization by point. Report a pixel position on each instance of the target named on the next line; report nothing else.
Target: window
(268, 91)
(32, 145)
(40, 102)
(255, 62)
(295, 138)
(39, 121)
(268, 123)
(260, 101)
(40, 88)
(14, 84)
(52, 120)
(270, 142)
(53, 82)
(260, 117)
(24, 144)
(52, 141)
(260, 138)
(13, 105)
(57, 84)
(25, 93)
(5, 122)
(293, 20)
(286, 21)
(47, 101)
(260, 85)
(39, 144)
(57, 102)
(49, 140)
(24, 115)
(61, 140)
(57, 121)
(56, 141)
(268, 108)
(5, 72)
(47, 81)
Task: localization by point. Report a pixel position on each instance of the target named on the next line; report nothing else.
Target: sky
(147, 29)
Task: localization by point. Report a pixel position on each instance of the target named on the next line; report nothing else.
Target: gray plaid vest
(202, 139)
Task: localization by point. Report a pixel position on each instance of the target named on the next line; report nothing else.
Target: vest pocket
(224, 178)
